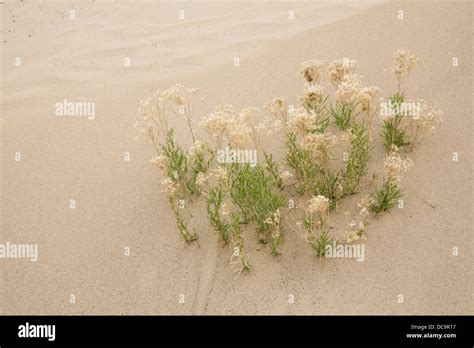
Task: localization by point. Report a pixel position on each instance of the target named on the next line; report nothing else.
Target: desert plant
(385, 197)
(328, 184)
(357, 159)
(404, 120)
(238, 251)
(299, 160)
(256, 194)
(321, 243)
(358, 228)
(342, 114)
(394, 132)
(315, 224)
(177, 205)
(183, 227)
(253, 194)
(272, 168)
(273, 221)
(216, 210)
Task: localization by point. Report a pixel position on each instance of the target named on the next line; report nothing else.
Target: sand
(119, 203)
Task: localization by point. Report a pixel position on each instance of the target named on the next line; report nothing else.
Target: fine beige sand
(119, 204)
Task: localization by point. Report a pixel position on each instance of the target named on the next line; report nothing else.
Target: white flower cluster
(218, 174)
(162, 162)
(366, 97)
(225, 124)
(429, 116)
(153, 111)
(286, 175)
(311, 70)
(359, 225)
(314, 96)
(318, 144)
(279, 109)
(348, 89)
(224, 210)
(170, 187)
(340, 68)
(395, 166)
(274, 222)
(197, 149)
(301, 121)
(318, 204)
(403, 63)
(219, 123)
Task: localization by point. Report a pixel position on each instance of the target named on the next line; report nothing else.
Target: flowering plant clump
(404, 119)
(327, 140)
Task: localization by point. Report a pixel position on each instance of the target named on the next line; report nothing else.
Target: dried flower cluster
(395, 166)
(403, 63)
(319, 145)
(236, 129)
(314, 97)
(340, 69)
(318, 205)
(312, 70)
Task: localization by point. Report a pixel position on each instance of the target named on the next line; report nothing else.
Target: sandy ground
(119, 203)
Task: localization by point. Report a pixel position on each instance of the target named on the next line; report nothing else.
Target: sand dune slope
(119, 203)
